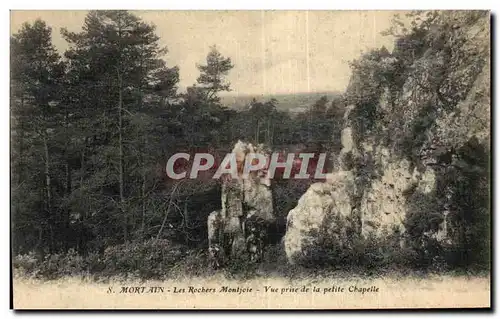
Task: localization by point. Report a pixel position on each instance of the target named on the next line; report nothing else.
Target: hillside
(294, 103)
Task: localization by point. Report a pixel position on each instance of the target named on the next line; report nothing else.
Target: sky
(273, 52)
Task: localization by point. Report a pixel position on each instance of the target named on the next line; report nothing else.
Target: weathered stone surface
(383, 206)
(403, 165)
(252, 193)
(243, 198)
(316, 214)
(232, 204)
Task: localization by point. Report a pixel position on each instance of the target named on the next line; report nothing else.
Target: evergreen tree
(120, 84)
(36, 73)
(212, 75)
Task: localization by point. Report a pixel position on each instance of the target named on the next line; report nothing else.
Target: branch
(168, 210)
(127, 111)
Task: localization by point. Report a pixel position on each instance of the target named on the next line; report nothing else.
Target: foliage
(401, 100)
(212, 74)
(104, 118)
(93, 127)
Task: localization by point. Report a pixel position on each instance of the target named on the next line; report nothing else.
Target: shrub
(194, 264)
(143, 259)
(149, 259)
(26, 264)
(54, 266)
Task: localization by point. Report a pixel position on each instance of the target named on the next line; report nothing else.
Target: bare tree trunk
(38, 247)
(67, 210)
(64, 234)
(271, 142)
(269, 131)
(167, 212)
(120, 155)
(20, 179)
(143, 164)
(257, 133)
(20, 137)
(47, 172)
(82, 163)
(185, 224)
(143, 219)
(48, 192)
(143, 196)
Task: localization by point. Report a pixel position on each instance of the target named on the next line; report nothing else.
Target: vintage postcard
(250, 159)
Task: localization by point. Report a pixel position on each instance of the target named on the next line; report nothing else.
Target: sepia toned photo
(250, 159)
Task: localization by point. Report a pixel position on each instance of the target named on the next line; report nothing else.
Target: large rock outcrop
(247, 209)
(414, 147)
(324, 212)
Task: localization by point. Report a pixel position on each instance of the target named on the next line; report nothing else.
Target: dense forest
(93, 127)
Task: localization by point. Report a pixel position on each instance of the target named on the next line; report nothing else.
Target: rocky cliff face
(416, 139)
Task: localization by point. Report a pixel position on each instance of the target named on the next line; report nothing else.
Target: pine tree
(212, 75)
(36, 72)
(120, 78)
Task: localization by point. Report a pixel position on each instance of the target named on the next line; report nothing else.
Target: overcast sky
(273, 51)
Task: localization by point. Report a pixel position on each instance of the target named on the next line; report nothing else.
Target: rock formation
(399, 174)
(247, 209)
(323, 212)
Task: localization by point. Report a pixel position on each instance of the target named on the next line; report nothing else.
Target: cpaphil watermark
(275, 165)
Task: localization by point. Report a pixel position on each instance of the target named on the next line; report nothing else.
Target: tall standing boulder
(245, 200)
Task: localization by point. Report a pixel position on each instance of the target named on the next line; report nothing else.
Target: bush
(149, 259)
(26, 264)
(194, 264)
(51, 266)
(146, 260)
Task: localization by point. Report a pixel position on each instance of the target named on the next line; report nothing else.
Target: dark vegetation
(91, 132)
(401, 100)
(92, 129)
